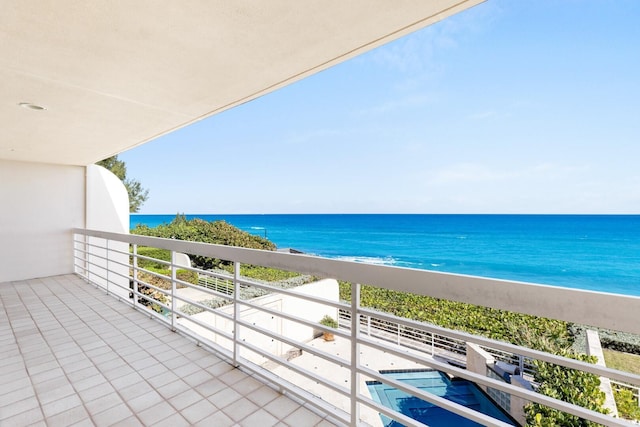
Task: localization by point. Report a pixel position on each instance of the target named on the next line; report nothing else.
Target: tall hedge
(198, 230)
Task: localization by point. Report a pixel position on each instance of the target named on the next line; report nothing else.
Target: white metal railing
(455, 350)
(110, 261)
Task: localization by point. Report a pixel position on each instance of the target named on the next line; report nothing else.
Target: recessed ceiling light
(30, 106)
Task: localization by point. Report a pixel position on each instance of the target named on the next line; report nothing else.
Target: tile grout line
(33, 388)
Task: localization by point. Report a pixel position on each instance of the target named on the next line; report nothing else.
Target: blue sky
(514, 106)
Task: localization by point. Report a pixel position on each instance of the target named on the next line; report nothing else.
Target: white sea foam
(435, 265)
(369, 260)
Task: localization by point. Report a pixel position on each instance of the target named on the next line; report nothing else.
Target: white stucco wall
(107, 201)
(39, 205)
(108, 210)
(477, 360)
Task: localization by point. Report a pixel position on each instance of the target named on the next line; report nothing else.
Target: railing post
(173, 291)
(368, 325)
(135, 274)
(433, 345)
(236, 312)
(521, 364)
(85, 256)
(355, 353)
(107, 262)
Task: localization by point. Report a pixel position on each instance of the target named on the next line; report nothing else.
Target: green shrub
(259, 272)
(627, 404)
(625, 347)
(198, 230)
(329, 321)
(568, 385)
(187, 276)
(497, 324)
(160, 254)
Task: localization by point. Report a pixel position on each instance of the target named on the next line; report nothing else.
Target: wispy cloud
(313, 135)
(410, 101)
(483, 115)
(415, 53)
(468, 173)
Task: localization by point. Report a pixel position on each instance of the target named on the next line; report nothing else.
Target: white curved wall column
(108, 210)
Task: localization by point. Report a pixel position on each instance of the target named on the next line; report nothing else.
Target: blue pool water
(435, 382)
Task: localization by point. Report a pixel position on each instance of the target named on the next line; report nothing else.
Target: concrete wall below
(594, 348)
(308, 310)
(477, 360)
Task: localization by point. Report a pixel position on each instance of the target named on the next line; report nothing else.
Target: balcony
(106, 347)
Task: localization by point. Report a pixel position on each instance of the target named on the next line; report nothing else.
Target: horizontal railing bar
(157, 316)
(124, 276)
(92, 243)
(294, 293)
(629, 386)
(118, 251)
(202, 306)
(79, 266)
(148, 258)
(296, 344)
(538, 300)
(166, 292)
(206, 290)
(211, 273)
(94, 275)
(397, 416)
(153, 273)
(300, 320)
(295, 368)
(203, 324)
(93, 255)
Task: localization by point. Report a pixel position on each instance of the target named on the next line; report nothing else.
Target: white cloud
(483, 115)
(461, 173)
(408, 102)
(313, 135)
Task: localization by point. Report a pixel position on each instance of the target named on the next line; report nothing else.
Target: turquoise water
(459, 391)
(595, 252)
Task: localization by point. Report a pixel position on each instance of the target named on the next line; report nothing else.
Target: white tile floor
(71, 355)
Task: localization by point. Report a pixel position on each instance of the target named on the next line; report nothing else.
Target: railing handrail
(572, 305)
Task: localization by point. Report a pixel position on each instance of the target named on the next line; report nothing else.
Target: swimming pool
(460, 391)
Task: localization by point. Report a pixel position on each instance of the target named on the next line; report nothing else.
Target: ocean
(593, 252)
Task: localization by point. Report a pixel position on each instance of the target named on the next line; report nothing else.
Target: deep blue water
(596, 252)
(459, 391)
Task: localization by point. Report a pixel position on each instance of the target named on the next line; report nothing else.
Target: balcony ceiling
(115, 74)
